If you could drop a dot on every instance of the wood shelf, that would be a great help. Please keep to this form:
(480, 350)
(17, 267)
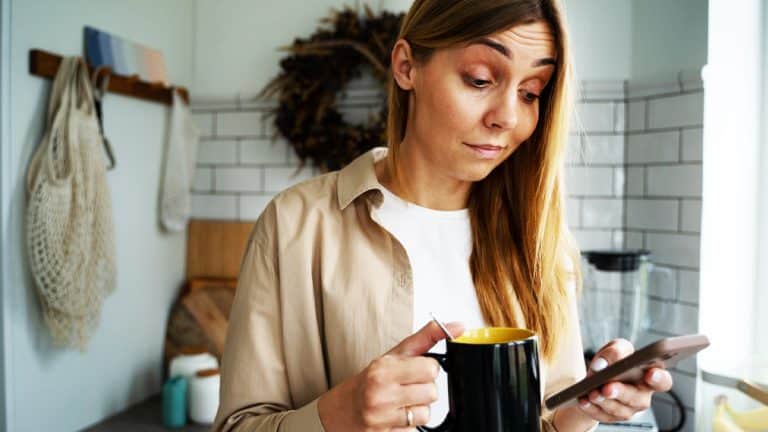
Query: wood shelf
(45, 64)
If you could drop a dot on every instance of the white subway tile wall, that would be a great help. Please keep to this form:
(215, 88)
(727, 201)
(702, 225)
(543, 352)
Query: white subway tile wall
(237, 179)
(240, 166)
(652, 214)
(636, 114)
(596, 178)
(649, 159)
(217, 152)
(653, 147)
(239, 123)
(676, 111)
(692, 144)
(203, 181)
(602, 213)
(603, 149)
(204, 122)
(633, 180)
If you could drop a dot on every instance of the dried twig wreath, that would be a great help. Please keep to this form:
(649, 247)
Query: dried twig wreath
(316, 70)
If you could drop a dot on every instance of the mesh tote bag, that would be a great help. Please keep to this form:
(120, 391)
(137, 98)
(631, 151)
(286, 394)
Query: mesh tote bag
(70, 235)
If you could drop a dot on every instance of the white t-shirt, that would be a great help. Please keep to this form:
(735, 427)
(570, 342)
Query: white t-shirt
(438, 244)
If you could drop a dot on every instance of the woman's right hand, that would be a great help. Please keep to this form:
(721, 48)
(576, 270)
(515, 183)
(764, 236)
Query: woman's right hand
(377, 398)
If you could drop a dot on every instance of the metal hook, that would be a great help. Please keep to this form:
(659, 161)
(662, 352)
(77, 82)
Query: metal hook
(100, 84)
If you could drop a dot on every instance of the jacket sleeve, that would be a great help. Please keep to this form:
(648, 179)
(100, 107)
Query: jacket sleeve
(254, 394)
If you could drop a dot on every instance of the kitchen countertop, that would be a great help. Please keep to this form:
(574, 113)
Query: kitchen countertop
(143, 417)
(147, 417)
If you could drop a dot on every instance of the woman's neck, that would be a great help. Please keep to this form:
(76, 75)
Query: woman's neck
(422, 184)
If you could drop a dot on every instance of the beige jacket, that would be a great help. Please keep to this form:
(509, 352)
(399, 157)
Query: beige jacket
(323, 290)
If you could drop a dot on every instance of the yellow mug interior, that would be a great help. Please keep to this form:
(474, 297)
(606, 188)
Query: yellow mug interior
(493, 335)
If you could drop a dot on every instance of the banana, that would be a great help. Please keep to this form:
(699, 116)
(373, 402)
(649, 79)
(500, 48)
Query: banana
(754, 420)
(721, 421)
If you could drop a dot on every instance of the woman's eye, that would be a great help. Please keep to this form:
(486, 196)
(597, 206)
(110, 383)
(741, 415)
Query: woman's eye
(529, 97)
(478, 83)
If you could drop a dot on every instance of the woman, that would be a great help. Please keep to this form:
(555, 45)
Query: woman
(462, 216)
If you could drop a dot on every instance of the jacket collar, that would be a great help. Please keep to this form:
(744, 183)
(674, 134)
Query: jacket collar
(359, 177)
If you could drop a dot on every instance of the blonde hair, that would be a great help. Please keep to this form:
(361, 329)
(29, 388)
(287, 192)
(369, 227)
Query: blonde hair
(521, 246)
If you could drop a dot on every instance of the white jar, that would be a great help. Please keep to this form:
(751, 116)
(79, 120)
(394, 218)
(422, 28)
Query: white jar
(188, 364)
(204, 396)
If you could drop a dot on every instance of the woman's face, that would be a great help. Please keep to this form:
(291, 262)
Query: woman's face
(472, 106)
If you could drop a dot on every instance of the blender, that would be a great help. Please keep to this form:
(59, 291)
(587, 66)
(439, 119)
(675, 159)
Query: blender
(614, 303)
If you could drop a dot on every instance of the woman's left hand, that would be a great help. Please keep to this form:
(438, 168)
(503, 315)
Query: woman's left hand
(617, 401)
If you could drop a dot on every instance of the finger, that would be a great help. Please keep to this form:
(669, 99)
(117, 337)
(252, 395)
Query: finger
(609, 354)
(424, 339)
(417, 394)
(612, 407)
(415, 370)
(399, 418)
(658, 379)
(595, 412)
(636, 397)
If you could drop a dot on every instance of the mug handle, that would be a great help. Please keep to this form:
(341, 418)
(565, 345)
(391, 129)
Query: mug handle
(445, 426)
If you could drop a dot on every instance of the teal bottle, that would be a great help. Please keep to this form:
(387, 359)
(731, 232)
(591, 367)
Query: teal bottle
(175, 402)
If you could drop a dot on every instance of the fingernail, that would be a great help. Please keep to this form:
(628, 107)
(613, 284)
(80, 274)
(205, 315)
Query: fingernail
(656, 376)
(586, 405)
(614, 394)
(599, 398)
(599, 364)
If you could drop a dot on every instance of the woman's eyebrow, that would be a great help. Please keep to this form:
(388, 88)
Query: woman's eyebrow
(503, 50)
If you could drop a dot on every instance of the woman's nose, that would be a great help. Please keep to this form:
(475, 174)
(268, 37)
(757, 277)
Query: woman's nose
(504, 114)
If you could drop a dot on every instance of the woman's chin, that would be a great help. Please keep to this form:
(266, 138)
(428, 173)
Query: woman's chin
(477, 173)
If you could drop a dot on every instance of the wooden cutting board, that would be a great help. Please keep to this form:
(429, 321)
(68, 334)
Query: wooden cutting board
(199, 318)
(215, 248)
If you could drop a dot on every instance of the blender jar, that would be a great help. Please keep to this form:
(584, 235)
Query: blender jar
(614, 300)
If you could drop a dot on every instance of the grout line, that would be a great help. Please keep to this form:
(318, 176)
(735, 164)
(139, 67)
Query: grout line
(245, 165)
(665, 95)
(263, 179)
(237, 207)
(680, 146)
(635, 164)
(647, 112)
(642, 131)
(645, 181)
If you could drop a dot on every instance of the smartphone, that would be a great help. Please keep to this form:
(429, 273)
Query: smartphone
(663, 353)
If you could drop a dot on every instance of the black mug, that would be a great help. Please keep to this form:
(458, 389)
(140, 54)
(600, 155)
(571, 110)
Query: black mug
(493, 381)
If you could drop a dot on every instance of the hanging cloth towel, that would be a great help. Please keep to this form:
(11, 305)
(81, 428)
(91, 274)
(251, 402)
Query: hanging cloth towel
(70, 234)
(179, 169)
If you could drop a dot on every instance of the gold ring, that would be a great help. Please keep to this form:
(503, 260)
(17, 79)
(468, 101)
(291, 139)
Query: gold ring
(408, 417)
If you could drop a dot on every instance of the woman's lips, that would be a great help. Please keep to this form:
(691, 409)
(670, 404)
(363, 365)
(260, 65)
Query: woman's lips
(485, 151)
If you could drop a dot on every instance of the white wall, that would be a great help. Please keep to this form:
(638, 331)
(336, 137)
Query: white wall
(53, 389)
(734, 141)
(237, 41)
(601, 38)
(5, 193)
(762, 282)
(668, 36)
(236, 46)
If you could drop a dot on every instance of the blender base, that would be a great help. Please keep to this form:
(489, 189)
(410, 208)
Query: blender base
(643, 421)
